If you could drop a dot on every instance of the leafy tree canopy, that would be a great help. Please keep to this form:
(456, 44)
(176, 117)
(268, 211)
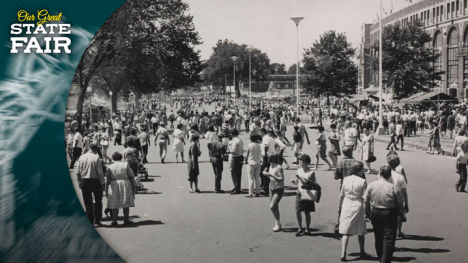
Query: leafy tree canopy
(408, 61)
(329, 67)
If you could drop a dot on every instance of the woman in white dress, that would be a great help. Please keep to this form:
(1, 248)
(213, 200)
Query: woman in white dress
(367, 148)
(351, 209)
(179, 142)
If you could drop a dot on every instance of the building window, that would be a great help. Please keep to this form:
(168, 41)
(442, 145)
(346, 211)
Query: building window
(466, 94)
(453, 92)
(452, 63)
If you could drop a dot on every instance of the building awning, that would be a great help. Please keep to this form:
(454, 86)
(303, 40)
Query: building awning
(432, 97)
(374, 97)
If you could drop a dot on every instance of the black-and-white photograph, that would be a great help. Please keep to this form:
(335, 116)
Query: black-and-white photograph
(275, 131)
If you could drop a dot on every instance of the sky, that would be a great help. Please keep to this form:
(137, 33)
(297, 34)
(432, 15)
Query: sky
(266, 24)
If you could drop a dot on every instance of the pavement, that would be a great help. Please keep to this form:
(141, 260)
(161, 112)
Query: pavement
(173, 225)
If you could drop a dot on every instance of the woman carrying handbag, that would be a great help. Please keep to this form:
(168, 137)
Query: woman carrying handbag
(305, 197)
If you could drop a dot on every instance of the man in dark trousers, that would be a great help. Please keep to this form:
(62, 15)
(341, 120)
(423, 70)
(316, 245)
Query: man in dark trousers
(91, 181)
(236, 150)
(383, 203)
(218, 150)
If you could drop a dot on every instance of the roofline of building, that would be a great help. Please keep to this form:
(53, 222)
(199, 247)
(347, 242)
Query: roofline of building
(406, 11)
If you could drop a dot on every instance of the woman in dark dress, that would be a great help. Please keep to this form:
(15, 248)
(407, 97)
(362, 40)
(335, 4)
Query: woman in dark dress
(193, 169)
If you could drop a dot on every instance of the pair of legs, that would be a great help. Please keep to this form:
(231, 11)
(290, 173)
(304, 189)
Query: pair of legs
(181, 155)
(324, 158)
(307, 220)
(144, 149)
(254, 179)
(162, 149)
(333, 158)
(384, 222)
(217, 163)
(461, 184)
(399, 138)
(115, 215)
(236, 174)
(104, 152)
(90, 188)
(194, 182)
(344, 245)
(275, 198)
(368, 166)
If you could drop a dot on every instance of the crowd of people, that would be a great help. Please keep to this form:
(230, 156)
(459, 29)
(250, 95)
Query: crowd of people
(384, 202)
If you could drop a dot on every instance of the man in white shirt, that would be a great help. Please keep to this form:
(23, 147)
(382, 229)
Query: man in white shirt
(77, 147)
(155, 122)
(350, 136)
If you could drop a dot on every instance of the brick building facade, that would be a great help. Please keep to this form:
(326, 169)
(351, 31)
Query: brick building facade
(447, 22)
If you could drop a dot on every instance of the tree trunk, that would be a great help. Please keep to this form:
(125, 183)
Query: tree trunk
(79, 107)
(137, 100)
(114, 101)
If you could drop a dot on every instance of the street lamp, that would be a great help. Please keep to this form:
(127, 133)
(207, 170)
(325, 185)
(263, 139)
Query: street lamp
(110, 94)
(380, 129)
(250, 49)
(296, 20)
(234, 58)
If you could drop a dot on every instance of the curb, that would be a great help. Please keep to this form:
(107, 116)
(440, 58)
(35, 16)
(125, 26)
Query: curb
(412, 145)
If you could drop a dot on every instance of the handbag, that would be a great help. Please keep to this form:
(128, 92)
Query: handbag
(308, 195)
(309, 192)
(372, 159)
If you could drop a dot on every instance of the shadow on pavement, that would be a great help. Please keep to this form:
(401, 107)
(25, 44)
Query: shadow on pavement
(422, 238)
(147, 180)
(148, 192)
(120, 218)
(136, 224)
(154, 175)
(356, 257)
(402, 259)
(423, 250)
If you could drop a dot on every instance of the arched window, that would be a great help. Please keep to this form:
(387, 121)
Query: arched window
(465, 62)
(452, 63)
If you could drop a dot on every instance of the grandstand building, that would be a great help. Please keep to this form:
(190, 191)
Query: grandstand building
(447, 22)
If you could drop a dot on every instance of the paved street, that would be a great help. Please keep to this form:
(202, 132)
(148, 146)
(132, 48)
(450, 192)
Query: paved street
(173, 225)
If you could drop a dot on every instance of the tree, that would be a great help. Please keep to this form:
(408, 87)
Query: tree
(292, 69)
(407, 60)
(329, 67)
(276, 68)
(159, 29)
(219, 67)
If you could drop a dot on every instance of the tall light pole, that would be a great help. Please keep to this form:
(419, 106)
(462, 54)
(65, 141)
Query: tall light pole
(110, 95)
(380, 129)
(234, 58)
(296, 20)
(250, 49)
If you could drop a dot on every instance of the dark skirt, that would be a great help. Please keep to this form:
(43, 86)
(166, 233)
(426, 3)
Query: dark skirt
(304, 206)
(193, 170)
